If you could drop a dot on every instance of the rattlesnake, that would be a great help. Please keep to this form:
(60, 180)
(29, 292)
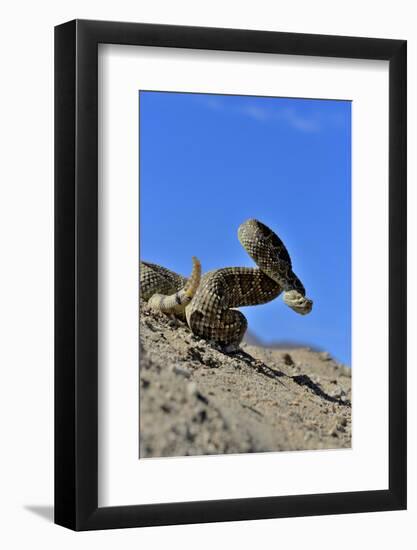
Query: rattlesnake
(206, 302)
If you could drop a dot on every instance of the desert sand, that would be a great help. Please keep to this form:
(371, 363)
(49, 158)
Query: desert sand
(197, 400)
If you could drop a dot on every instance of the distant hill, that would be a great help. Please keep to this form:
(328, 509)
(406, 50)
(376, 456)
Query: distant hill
(251, 339)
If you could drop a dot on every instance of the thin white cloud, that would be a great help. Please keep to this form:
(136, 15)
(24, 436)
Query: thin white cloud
(287, 115)
(300, 122)
(255, 112)
(263, 114)
(214, 103)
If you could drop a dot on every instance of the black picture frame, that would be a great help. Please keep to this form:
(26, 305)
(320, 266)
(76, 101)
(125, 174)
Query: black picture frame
(76, 272)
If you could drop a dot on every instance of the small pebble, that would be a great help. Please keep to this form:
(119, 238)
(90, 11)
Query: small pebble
(181, 371)
(288, 360)
(192, 388)
(342, 420)
(333, 431)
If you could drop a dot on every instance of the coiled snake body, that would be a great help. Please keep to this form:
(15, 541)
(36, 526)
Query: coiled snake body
(207, 302)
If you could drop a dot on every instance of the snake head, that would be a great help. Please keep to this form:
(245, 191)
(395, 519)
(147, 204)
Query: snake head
(270, 254)
(299, 303)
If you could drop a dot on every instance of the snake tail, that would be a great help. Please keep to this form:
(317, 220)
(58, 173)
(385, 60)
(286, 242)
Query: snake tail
(176, 303)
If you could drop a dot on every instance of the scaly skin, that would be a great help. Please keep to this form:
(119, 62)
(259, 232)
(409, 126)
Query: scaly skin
(208, 303)
(177, 302)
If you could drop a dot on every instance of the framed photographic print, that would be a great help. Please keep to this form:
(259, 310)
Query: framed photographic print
(230, 337)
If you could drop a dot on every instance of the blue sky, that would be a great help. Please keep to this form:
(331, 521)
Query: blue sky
(210, 162)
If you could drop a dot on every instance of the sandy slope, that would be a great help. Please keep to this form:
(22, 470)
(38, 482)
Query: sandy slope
(195, 399)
